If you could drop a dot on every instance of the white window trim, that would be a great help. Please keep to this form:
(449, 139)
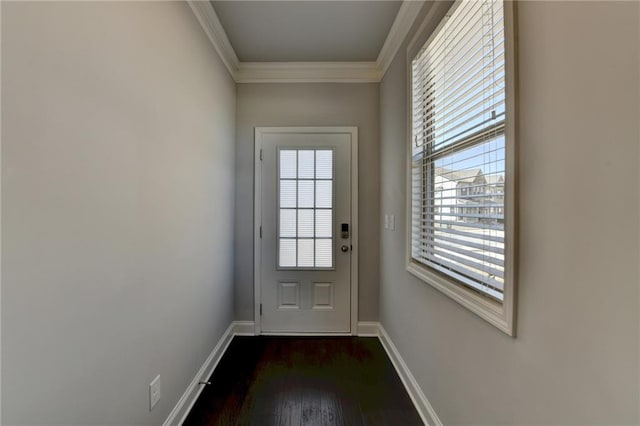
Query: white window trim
(501, 315)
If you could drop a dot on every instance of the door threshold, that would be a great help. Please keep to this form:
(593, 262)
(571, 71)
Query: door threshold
(307, 333)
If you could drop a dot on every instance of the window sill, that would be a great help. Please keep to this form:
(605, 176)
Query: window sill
(491, 311)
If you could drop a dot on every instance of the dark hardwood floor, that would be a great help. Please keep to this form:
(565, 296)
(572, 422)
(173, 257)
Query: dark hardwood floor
(304, 381)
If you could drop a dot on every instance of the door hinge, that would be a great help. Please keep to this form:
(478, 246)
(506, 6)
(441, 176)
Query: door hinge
(260, 231)
(260, 154)
(261, 309)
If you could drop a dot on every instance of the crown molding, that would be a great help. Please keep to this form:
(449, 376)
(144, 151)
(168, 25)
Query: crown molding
(213, 28)
(405, 18)
(306, 72)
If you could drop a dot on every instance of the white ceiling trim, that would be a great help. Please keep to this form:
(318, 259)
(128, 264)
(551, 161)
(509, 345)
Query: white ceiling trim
(213, 28)
(401, 25)
(306, 72)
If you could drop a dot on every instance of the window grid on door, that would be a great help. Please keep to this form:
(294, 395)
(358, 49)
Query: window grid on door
(305, 209)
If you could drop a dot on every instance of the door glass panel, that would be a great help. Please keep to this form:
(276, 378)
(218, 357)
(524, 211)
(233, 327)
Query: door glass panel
(305, 164)
(324, 194)
(288, 164)
(305, 219)
(288, 223)
(305, 223)
(323, 223)
(324, 164)
(287, 253)
(305, 253)
(288, 194)
(323, 253)
(305, 194)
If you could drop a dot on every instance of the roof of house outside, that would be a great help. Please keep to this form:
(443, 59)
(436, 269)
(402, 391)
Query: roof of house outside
(465, 175)
(494, 179)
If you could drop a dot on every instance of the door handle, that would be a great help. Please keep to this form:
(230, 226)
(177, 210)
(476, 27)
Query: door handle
(344, 248)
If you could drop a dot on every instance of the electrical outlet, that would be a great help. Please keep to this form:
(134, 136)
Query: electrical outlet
(154, 392)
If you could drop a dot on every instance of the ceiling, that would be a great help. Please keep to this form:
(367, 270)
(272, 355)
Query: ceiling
(306, 31)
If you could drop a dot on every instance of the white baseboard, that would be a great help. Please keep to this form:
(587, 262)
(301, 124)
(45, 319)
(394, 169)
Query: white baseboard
(368, 329)
(244, 328)
(429, 416)
(190, 396)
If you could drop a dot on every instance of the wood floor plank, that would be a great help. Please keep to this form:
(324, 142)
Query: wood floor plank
(310, 381)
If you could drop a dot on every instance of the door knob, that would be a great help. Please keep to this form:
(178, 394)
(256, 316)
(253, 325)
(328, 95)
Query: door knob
(344, 248)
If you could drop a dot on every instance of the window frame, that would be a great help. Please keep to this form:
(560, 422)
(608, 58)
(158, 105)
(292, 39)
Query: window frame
(501, 315)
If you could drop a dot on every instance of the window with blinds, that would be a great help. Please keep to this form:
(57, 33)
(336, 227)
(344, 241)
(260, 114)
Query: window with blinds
(458, 148)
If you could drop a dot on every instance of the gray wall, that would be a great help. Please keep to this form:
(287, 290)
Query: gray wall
(309, 105)
(117, 209)
(575, 360)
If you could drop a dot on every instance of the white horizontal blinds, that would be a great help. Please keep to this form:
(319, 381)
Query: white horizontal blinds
(458, 151)
(305, 208)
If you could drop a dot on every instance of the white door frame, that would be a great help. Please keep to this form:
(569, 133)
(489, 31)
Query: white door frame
(257, 219)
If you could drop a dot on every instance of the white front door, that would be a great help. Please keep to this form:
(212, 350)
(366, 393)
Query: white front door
(305, 243)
